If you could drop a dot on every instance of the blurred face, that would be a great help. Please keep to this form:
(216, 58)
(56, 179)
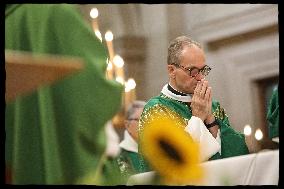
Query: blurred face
(132, 123)
(180, 79)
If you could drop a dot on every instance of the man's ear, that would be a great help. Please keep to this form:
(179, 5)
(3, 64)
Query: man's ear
(171, 71)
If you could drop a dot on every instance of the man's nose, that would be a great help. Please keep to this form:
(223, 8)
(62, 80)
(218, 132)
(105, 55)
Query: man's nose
(199, 76)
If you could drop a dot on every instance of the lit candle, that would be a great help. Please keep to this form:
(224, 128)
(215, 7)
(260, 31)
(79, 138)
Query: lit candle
(132, 85)
(127, 96)
(109, 38)
(258, 134)
(118, 62)
(247, 130)
(120, 80)
(94, 13)
(130, 95)
(133, 94)
(99, 35)
(109, 70)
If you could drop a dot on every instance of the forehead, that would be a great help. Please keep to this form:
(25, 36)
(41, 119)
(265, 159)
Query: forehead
(193, 57)
(137, 112)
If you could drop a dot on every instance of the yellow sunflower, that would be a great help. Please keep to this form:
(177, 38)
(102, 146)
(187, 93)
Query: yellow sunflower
(170, 150)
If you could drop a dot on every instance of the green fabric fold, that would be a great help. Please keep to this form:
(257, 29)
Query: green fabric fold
(273, 115)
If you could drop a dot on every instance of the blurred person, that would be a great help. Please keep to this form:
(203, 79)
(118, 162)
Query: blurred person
(188, 96)
(128, 158)
(56, 134)
(118, 167)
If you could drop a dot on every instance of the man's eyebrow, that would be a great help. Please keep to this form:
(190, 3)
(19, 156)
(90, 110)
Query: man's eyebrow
(191, 67)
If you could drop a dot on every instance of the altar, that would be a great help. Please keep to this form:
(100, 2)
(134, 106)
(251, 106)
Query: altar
(260, 168)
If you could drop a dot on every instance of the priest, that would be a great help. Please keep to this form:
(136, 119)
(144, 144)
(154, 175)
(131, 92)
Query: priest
(188, 96)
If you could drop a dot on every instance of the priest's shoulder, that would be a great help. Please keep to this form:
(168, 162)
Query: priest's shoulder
(153, 101)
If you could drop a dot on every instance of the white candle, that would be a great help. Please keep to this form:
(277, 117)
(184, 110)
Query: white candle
(109, 38)
(133, 94)
(126, 99)
(132, 85)
(118, 62)
(109, 70)
(99, 35)
(94, 13)
(120, 80)
(130, 94)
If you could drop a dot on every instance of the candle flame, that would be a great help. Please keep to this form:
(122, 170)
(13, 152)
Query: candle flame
(247, 130)
(118, 61)
(131, 84)
(258, 134)
(109, 36)
(127, 89)
(94, 13)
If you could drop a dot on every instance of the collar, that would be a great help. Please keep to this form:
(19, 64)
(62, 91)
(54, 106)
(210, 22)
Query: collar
(170, 88)
(177, 95)
(129, 143)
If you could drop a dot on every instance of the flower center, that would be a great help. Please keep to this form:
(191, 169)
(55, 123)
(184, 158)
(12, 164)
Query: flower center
(170, 151)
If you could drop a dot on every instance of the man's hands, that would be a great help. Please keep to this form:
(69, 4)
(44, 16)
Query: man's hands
(201, 103)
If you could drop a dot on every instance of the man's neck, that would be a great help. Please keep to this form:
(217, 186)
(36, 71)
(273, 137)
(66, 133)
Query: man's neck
(174, 95)
(175, 91)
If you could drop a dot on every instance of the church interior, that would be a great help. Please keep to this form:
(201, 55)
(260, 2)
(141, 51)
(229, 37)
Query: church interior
(241, 43)
(241, 46)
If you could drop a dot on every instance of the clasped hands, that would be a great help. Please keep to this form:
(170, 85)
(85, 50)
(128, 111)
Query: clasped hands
(201, 103)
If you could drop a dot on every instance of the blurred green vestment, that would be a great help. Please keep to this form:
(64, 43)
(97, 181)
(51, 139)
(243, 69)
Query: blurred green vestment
(56, 134)
(273, 115)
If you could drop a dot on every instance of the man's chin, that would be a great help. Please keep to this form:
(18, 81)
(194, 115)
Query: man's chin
(189, 92)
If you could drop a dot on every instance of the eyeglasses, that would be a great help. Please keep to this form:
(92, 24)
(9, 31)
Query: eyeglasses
(193, 72)
(133, 119)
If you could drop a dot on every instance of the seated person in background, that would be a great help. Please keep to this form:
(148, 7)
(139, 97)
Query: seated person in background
(128, 160)
(188, 96)
(273, 116)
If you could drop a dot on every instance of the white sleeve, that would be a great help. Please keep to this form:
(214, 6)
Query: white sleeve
(218, 138)
(200, 134)
(112, 140)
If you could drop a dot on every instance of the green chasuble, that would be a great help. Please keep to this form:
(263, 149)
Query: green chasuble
(232, 142)
(128, 162)
(56, 134)
(273, 115)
